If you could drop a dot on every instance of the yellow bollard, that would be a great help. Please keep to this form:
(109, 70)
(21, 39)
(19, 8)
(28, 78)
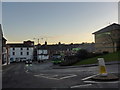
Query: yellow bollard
(102, 68)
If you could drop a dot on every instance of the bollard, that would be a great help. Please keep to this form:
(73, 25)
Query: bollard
(102, 68)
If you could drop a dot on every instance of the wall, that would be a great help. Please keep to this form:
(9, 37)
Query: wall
(107, 42)
(42, 52)
(42, 57)
(0, 45)
(18, 53)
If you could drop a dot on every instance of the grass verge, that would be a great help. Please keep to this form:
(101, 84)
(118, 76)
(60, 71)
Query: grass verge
(108, 57)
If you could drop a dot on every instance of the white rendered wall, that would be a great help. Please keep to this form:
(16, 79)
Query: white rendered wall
(18, 53)
(42, 57)
(42, 52)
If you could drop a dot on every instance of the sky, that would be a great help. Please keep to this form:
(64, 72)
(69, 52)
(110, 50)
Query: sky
(65, 22)
(60, 0)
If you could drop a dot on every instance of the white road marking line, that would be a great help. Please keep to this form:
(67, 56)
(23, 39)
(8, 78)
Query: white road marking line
(36, 75)
(89, 77)
(50, 77)
(68, 76)
(45, 77)
(101, 82)
(54, 76)
(26, 71)
(41, 75)
(81, 85)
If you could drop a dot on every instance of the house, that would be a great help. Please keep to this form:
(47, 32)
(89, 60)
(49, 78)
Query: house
(42, 53)
(65, 49)
(108, 39)
(56, 49)
(5, 55)
(1, 35)
(20, 51)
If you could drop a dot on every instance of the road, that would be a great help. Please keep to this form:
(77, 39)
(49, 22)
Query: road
(43, 75)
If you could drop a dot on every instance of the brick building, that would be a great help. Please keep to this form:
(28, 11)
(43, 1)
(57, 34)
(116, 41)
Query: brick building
(108, 39)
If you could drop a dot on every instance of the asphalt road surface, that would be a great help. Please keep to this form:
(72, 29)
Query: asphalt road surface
(42, 75)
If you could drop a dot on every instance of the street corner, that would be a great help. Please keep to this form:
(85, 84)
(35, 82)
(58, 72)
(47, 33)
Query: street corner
(108, 77)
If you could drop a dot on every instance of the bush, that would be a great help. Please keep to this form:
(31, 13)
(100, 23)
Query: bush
(105, 52)
(82, 54)
(69, 60)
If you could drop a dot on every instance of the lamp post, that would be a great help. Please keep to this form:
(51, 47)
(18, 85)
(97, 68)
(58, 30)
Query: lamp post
(37, 39)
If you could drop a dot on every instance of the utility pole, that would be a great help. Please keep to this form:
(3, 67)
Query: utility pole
(37, 40)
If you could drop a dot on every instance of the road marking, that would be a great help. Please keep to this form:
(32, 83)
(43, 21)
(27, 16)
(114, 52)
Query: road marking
(68, 76)
(50, 77)
(101, 82)
(41, 75)
(56, 77)
(81, 85)
(89, 77)
(26, 71)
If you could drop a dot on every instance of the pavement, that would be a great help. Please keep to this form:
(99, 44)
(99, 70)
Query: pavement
(86, 65)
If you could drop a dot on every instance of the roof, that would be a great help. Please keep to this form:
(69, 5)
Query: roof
(111, 27)
(18, 45)
(4, 39)
(63, 46)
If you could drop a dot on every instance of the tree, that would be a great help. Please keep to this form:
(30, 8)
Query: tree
(82, 54)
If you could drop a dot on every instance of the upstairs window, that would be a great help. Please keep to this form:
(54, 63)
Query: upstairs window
(21, 53)
(27, 53)
(27, 48)
(13, 53)
(21, 48)
(13, 48)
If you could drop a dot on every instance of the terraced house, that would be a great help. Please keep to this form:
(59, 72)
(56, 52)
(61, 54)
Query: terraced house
(108, 39)
(21, 51)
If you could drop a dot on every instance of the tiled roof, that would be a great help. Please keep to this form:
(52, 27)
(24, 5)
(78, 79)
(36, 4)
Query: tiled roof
(18, 45)
(4, 39)
(113, 26)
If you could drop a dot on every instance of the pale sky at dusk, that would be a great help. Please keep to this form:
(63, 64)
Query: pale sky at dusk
(65, 22)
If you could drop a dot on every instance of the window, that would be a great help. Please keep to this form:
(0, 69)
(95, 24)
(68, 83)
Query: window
(13, 48)
(21, 48)
(13, 53)
(27, 53)
(21, 53)
(27, 48)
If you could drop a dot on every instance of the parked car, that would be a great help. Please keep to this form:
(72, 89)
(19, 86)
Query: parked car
(56, 59)
(17, 60)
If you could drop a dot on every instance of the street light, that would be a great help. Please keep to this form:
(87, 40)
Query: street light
(37, 39)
